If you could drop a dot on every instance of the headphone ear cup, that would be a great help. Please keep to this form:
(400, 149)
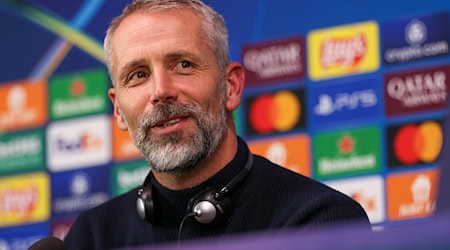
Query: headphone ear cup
(145, 204)
(208, 209)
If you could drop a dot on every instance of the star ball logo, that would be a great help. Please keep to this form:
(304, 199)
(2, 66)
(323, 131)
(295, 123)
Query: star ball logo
(277, 112)
(414, 143)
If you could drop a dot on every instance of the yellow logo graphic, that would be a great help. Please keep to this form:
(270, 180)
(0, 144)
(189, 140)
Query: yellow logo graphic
(343, 50)
(24, 199)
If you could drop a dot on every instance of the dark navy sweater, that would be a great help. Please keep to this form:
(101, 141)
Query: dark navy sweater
(269, 198)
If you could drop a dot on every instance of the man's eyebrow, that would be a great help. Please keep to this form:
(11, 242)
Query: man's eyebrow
(123, 71)
(183, 54)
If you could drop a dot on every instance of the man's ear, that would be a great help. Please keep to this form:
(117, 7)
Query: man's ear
(117, 112)
(234, 78)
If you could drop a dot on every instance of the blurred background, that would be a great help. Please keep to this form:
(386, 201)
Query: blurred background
(351, 93)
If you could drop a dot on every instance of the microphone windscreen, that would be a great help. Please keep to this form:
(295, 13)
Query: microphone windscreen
(48, 243)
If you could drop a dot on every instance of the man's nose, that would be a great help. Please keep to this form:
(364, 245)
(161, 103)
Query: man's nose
(164, 88)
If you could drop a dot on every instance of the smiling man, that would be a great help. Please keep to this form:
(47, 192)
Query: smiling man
(174, 90)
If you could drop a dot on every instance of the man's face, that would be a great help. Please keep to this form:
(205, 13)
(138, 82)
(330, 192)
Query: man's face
(169, 92)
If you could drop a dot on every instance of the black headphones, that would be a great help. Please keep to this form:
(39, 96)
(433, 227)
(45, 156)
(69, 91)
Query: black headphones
(209, 207)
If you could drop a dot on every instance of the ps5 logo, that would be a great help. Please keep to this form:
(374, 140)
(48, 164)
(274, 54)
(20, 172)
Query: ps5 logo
(345, 101)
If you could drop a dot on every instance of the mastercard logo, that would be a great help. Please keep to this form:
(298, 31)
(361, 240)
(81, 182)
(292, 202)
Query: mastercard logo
(275, 112)
(414, 143)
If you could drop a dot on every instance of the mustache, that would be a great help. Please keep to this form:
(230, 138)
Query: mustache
(163, 112)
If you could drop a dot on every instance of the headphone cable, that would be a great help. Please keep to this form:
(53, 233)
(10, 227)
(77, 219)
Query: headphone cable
(191, 214)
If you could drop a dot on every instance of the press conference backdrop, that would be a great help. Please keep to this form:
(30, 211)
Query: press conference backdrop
(351, 93)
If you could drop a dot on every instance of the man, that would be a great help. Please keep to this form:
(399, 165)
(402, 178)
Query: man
(174, 90)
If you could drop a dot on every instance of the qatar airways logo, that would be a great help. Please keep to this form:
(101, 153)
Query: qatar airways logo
(274, 61)
(344, 52)
(79, 143)
(417, 91)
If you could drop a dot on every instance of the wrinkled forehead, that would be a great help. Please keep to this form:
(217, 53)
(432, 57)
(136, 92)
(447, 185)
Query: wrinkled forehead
(158, 34)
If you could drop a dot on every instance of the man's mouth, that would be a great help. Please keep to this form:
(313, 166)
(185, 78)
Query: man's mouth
(168, 122)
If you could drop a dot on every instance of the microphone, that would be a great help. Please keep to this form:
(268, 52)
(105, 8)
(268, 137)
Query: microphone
(48, 243)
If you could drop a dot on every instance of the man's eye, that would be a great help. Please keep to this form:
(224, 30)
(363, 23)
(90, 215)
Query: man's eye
(185, 64)
(139, 74)
(137, 78)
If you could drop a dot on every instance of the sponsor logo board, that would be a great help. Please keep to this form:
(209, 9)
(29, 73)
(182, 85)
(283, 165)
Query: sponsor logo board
(416, 38)
(81, 93)
(22, 237)
(79, 143)
(416, 91)
(367, 191)
(278, 112)
(24, 199)
(23, 105)
(22, 151)
(347, 152)
(128, 175)
(291, 152)
(411, 195)
(414, 143)
(123, 146)
(79, 190)
(352, 101)
(274, 61)
(343, 50)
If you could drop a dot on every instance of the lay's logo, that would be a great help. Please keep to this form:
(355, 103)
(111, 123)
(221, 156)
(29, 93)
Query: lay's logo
(24, 199)
(19, 201)
(343, 50)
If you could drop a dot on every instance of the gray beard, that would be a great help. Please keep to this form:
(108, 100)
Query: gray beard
(183, 150)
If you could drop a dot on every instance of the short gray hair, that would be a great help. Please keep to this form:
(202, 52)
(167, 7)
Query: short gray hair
(213, 26)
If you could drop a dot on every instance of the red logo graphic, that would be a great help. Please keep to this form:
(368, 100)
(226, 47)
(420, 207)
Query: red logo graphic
(346, 52)
(346, 144)
(77, 87)
(278, 112)
(415, 143)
